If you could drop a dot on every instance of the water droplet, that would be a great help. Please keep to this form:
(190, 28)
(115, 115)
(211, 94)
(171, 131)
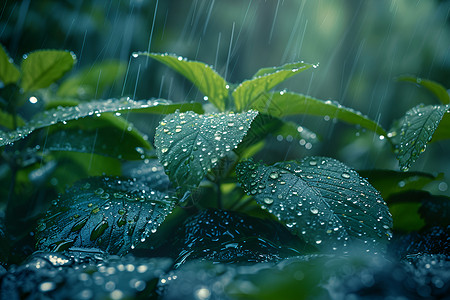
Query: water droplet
(79, 224)
(314, 210)
(164, 150)
(99, 230)
(345, 175)
(202, 293)
(47, 286)
(268, 200)
(274, 175)
(99, 191)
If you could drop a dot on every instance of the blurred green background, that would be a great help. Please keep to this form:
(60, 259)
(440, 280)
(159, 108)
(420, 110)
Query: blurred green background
(361, 47)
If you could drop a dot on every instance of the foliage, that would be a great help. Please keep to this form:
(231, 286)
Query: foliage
(197, 175)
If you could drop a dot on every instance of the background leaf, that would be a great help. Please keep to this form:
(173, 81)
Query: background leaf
(7, 120)
(90, 82)
(435, 88)
(321, 200)
(416, 130)
(107, 135)
(281, 104)
(263, 81)
(211, 84)
(389, 182)
(188, 145)
(64, 114)
(107, 213)
(9, 73)
(42, 68)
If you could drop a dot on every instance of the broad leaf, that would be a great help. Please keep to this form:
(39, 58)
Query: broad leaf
(149, 173)
(9, 73)
(416, 130)
(263, 81)
(321, 200)
(64, 114)
(188, 145)
(42, 68)
(91, 82)
(281, 104)
(211, 84)
(290, 130)
(107, 213)
(226, 236)
(263, 125)
(107, 141)
(7, 120)
(84, 274)
(443, 130)
(167, 108)
(437, 89)
(389, 182)
(108, 135)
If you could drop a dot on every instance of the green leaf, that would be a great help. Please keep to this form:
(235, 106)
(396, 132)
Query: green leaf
(263, 81)
(290, 130)
(9, 73)
(42, 68)
(7, 120)
(389, 182)
(263, 125)
(435, 88)
(232, 237)
(443, 130)
(107, 213)
(64, 114)
(188, 145)
(92, 81)
(321, 200)
(416, 130)
(108, 141)
(148, 172)
(281, 104)
(211, 84)
(108, 135)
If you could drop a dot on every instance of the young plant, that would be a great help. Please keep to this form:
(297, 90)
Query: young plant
(199, 174)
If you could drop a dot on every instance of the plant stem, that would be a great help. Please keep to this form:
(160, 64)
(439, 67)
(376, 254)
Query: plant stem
(219, 194)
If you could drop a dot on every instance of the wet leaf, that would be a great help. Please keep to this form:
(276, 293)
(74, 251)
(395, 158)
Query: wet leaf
(435, 88)
(321, 200)
(64, 114)
(90, 82)
(107, 213)
(107, 141)
(281, 104)
(263, 81)
(226, 236)
(416, 130)
(188, 145)
(85, 274)
(211, 84)
(42, 68)
(108, 135)
(9, 73)
(148, 172)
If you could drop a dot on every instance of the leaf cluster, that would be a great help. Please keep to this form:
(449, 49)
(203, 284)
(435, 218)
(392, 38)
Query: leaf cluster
(194, 188)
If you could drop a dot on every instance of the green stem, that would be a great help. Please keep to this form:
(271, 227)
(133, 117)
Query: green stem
(219, 195)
